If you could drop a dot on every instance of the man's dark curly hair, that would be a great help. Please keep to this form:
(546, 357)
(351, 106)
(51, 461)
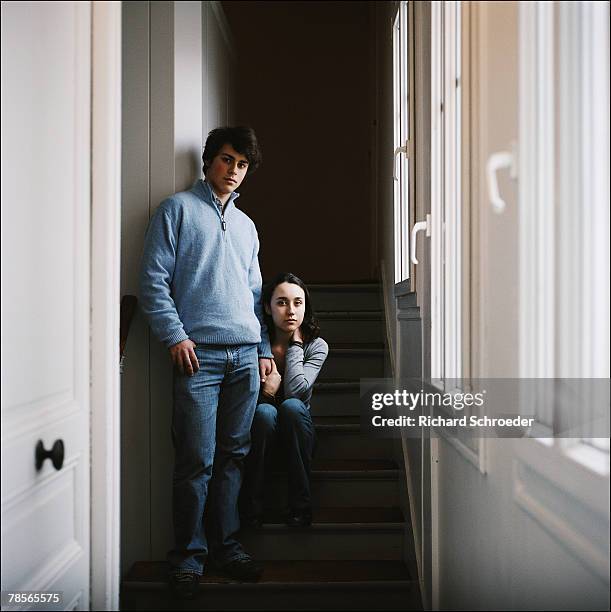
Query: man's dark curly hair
(309, 327)
(242, 139)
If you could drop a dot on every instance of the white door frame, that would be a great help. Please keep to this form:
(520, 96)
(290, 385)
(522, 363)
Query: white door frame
(105, 304)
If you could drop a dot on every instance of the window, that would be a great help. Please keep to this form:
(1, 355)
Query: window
(402, 136)
(446, 216)
(563, 213)
(564, 207)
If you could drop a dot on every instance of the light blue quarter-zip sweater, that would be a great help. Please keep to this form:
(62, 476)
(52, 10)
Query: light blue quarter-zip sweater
(200, 276)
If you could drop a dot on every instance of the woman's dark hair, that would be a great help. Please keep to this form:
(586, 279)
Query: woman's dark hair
(309, 327)
(242, 139)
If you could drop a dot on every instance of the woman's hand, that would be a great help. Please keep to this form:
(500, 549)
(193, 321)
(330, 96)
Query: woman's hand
(297, 337)
(265, 367)
(272, 381)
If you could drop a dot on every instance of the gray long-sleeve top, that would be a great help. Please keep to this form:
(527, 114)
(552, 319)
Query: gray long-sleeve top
(301, 368)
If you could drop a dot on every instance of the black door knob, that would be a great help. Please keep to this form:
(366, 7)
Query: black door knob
(56, 454)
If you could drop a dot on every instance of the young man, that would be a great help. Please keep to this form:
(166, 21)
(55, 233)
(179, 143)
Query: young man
(200, 289)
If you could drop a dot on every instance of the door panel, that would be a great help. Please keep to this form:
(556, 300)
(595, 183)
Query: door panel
(46, 66)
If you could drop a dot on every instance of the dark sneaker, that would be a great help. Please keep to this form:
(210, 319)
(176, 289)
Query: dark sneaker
(244, 568)
(299, 518)
(184, 585)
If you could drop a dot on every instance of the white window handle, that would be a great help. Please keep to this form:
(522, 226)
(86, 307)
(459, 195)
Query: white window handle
(403, 149)
(421, 225)
(496, 162)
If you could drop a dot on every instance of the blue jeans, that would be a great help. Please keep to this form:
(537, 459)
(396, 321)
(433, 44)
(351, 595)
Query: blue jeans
(213, 412)
(290, 426)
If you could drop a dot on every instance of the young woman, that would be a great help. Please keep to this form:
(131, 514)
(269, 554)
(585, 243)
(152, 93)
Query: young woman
(283, 411)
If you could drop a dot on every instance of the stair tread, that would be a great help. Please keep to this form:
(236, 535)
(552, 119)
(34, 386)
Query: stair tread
(356, 347)
(324, 469)
(337, 383)
(362, 285)
(352, 465)
(349, 314)
(288, 572)
(339, 422)
(346, 516)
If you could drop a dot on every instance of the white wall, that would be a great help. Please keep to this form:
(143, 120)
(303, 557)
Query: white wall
(188, 89)
(176, 87)
(218, 65)
(494, 554)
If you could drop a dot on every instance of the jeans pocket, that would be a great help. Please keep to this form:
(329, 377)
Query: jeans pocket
(199, 353)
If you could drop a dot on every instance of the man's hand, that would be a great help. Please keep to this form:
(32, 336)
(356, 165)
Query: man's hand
(265, 367)
(184, 358)
(272, 381)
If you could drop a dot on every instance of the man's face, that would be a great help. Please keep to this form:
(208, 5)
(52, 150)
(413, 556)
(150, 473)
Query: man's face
(227, 170)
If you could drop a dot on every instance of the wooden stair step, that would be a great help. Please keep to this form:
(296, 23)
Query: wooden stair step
(343, 516)
(287, 572)
(284, 585)
(337, 385)
(339, 423)
(358, 467)
(350, 315)
(353, 285)
(353, 348)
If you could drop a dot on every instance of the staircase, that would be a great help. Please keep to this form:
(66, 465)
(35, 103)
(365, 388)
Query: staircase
(353, 555)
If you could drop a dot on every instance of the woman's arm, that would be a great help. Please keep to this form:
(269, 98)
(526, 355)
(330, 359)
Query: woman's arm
(299, 372)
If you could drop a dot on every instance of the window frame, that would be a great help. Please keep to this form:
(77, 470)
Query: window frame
(446, 193)
(403, 137)
(448, 303)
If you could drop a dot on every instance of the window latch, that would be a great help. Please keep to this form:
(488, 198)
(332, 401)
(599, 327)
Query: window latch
(404, 149)
(496, 162)
(418, 227)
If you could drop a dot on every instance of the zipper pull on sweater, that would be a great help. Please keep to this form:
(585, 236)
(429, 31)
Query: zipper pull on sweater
(220, 206)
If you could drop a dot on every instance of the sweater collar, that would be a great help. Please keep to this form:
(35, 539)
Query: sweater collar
(207, 193)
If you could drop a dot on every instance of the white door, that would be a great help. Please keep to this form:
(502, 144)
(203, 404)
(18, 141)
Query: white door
(46, 70)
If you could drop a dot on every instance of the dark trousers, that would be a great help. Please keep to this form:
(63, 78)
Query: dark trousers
(288, 429)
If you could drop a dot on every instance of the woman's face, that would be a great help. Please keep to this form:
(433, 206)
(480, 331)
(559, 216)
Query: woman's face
(287, 307)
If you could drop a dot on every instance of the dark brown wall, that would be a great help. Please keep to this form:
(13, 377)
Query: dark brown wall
(304, 82)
